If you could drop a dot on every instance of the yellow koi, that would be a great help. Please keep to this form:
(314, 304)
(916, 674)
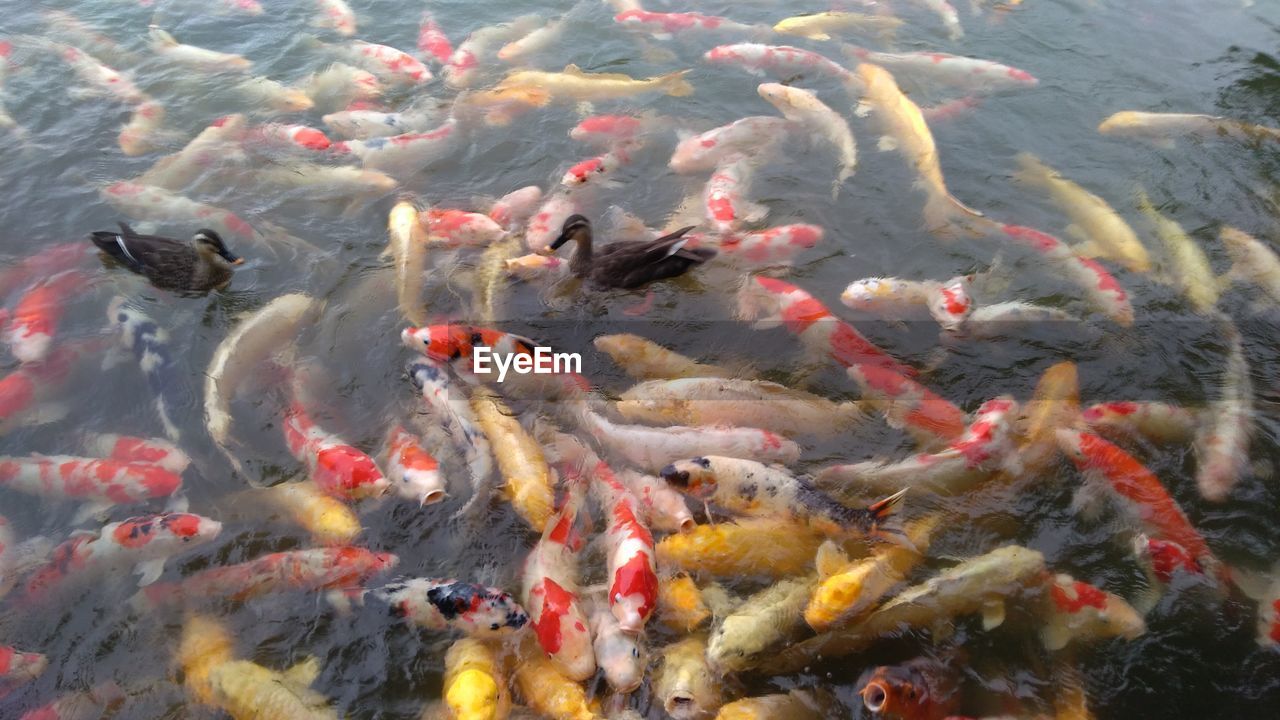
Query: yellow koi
(474, 688)
(527, 479)
(574, 84)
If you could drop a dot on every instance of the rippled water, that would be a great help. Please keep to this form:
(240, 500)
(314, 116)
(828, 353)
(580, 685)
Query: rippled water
(1092, 58)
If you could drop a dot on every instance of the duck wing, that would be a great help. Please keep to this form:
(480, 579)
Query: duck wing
(142, 252)
(636, 264)
(654, 251)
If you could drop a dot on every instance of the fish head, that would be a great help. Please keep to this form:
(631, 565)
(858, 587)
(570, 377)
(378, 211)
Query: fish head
(777, 94)
(1125, 122)
(903, 691)
(441, 343)
(693, 477)
(350, 471)
(1071, 442)
(191, 528)
(621, 659)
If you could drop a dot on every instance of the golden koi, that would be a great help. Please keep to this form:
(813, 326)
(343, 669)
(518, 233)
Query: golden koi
(544, 689)
(474, 687)
(644, 359)
(408, 247)
(574, 84)
(685, 683)
(820, 26)
(528, 481)
(1192, 273)
(795, 705)
(1162, 128)
(762, 546)
(761, 625)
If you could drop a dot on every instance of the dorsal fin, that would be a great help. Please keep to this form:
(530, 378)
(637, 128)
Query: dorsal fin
(572, 69)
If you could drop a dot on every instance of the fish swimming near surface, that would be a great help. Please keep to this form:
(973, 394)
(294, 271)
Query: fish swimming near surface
(476, 610)
(150, 346)
(1163, 129)
(575, 84)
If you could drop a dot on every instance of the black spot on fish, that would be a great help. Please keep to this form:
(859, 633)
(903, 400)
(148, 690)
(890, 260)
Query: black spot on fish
(750, 490)
(702, 462)
(453, 599)
(516, 619)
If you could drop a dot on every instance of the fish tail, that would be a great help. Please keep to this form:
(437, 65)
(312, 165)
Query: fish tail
(880, 510)
(943, 214)
(676, 85)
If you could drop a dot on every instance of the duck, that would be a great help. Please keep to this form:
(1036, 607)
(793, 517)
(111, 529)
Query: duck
(628, 264)
(199, 266)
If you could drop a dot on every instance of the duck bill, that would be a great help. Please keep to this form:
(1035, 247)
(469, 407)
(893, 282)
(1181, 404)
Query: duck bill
(233, 259)
(564, 238)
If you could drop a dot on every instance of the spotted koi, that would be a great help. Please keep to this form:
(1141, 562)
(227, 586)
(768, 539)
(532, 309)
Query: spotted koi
(434, 604)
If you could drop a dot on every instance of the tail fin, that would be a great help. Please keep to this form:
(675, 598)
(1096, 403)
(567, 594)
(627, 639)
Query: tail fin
(943, 214)
(675, 84)
(879, 512)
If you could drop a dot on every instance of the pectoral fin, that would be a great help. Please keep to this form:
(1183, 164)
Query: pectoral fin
(301, 676)
(149, 571)
(992, 614)
(830, 559)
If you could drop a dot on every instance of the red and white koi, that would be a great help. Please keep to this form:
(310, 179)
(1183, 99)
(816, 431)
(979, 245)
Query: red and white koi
(459, 228)
(546, 223)
(662, 507)
(965, 74)
(337, 15)
(451, 410)
(344, 569)
(803, 108)
(618, 653)
(432, 41)
(724, 197)
(765, 248)
(19, 667)
(1164, 558)
(152, 204)
(1158, 513)
(166, 46)
(780, 61)
(414, 473)
(34, 321)
(908, 405)
(290, 136)
(139, 136)
(387, 63)
(335, 466)
(769, 302)
(67, 28)
(248, 7)
(985, 447)
(53, 260)
(551, 595)
(100, 701)
(407, 153)
(594, 170)
(463, 66)
(514, 209)
(997, 319)
(103, 79)
(662, 25)
(476, 610)
(608, 130)
(129, 449)
(97, 481)
(1158, 422)
(703, 152)
(1222, 441)
(1077, 610)
(1100, 287)
(533, 42)
(143, 542)
(29, 394)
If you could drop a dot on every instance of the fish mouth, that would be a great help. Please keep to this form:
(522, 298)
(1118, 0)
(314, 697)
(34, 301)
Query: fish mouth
(681, 705)
(432, 497)
(875, 696)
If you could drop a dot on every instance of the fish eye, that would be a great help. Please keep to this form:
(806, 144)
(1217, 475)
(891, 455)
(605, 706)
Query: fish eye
(635, 652)
(493, 626)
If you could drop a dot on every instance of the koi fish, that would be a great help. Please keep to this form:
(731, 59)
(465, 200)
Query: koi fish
(606, 131)
(618, 653)
(474, 687)
(267, 94)
(1158, 422)
(775, 246)
(921, 689)
(663, 25)
(413, 472)
(1096, 224)
(101, 483)
(546, 224)
(660, 506)
(545, 689)
(1158, 512)
(685, 683)
(997, 319)
(780, 61)
(148, 203)
(907, 131)
(459, 228)
(1055, 403)
(1191, 270)
(1079, 611)
(216, 144)
(533, 42)
(140, 135)
(703, 152)
(463, 66)
(949, 303)
(805, 109)
(766, 547)
(499, 105)
(101, 78)
(725, 199)
(1100, 287)
(1222, 439)
(908, 405)
(476, 610)
(164, 45)
(149, 344)
(387, 63)
(290, 136)
(328, 520)
(449, 407)
(797, 704)
(550, 591)
(333, 465)
(965, 74)
(681, 607)
(592, 170)
(29, 396)
(1252, 262)
(51, 261)
(432, 41)
(574, 84)
(68, 28)
(34, 321)
(336, 15)
(769, 302)
(407, 246)
(127, 448)
(18, 667)
(528, 481)
(254, 338)
(513, 210)
(763, 622)
(644, 359)
(985, 447)
(142, 542)
(403, 154)
(947, 13)
(819, 26)
(337, 87)
(359, 124)
(336, 568)
(1162, 128)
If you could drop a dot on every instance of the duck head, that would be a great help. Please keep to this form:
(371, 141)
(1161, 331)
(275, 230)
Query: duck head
(576, 228)
(209, 243)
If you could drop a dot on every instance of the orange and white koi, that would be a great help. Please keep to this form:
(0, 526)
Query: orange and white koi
(513, 210)
(451, 410)
(459, 228)
(724, 197)
(908, 405)
(550, 592)
(1222, 440)
(781, 61)
(703, 152)
(463, 66)
(1076, 610)
(407, 153)
(1157, 511)
(29, 394)
(546, 224)
(97, 481)
(1101, 289)
(51, 261)
(141, 134)
(803, 108)
(166, 46)
(337, 15)
(342, 569)
(387, 63)
(414, 473)
(289, 136)
(217, 144)
(1164, 558)
(336, 88)
(335, 466)
(608, 130)
(777, 246)
(127, 448)
(432, 41)
(142, 542)
(18, 667)
(769, 302)
(653, 448)
(593, 170)
(103, 79)
(664, 25)
(1159, 422)
(476, 610)
(152, 204)
(965, 74)
(986, 447)
(34, 321)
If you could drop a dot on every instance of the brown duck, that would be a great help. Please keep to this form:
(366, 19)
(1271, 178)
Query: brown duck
(199, 266)
(629, 264)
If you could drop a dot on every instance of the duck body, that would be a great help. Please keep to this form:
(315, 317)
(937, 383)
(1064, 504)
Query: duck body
(199, 266)
(629, 264)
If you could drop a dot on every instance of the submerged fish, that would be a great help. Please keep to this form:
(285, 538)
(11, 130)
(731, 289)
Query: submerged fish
(761, 625)
(1163, 128)
(335, 466)
(407, 244)
(164, 45)
(149, 344)
(908, 405)
(1190, 266)
(1222, 437)
(101, 483)
(805, 109)
(34, 321)
(527, 480)
(644, 359)
(820, 25)
(414, 473)
(963, 74)
(17, 667)
(574, 84)
(1079, 611)
(1252, 262)
(1101, 288)
(1155, 421)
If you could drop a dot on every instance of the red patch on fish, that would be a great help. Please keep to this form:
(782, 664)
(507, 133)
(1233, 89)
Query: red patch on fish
(1080, 596)
(556, 604)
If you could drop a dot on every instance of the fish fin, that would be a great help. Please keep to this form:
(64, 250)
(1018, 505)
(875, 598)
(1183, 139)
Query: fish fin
(881, 509)
(676, 85)
(886, 143)
(91, 511)
(113, 358)
(1054, 635)
(149, 571)
(178, 502)
(303, 674)
(160, 38)
(862, 109)
(584, 108)
(830, 560)
(992, 614)
(944, 213)
(573, 69)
